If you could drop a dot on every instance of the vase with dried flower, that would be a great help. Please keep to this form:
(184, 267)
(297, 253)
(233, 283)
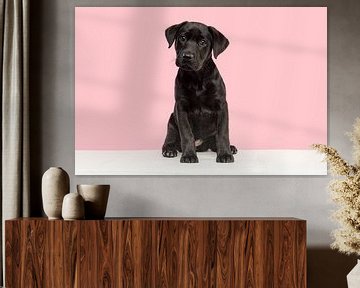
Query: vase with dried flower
(345, 192)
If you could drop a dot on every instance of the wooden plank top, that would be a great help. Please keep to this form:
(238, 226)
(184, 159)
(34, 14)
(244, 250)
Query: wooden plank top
(172, 219)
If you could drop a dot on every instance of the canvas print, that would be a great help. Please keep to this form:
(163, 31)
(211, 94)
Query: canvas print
(200, 90)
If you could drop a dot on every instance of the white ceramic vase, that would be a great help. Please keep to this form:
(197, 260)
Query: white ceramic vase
(96, 198)
(353, 278)
(73, 207)
(54, 186)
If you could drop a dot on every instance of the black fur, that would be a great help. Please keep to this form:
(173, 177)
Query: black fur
(200, 119)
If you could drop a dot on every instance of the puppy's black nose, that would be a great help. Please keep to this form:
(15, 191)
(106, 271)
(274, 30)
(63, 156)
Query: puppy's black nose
(187, 55)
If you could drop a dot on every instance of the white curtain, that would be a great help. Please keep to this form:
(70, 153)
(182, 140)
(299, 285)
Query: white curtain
(14, 39)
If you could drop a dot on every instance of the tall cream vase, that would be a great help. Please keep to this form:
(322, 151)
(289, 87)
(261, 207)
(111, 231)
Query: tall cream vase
(55, 185)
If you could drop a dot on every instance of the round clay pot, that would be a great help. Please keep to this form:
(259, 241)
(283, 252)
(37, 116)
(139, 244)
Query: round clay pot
(73, 207)
(95, 197)
(55, 185)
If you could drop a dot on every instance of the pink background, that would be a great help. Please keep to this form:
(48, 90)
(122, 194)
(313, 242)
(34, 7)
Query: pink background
(275, 70)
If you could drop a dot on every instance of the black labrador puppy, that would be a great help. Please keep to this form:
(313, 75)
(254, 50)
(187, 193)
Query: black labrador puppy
(200, 118)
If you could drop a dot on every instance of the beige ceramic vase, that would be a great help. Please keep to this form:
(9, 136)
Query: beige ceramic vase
(353, 278)
(73, 207)
(96, 198)
(55, 185)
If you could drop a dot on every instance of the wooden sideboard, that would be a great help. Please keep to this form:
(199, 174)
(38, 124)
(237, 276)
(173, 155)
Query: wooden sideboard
(156, 252)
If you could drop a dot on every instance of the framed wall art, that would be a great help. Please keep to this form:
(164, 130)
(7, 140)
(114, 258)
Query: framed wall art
(133, 118)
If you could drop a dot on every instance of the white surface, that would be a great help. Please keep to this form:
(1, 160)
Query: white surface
(247, 162)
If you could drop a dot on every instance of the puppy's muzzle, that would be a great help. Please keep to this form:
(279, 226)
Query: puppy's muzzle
(187, 56)
(186, 61)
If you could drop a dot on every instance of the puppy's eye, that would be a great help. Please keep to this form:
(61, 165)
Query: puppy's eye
(202, 43)
(182, 38)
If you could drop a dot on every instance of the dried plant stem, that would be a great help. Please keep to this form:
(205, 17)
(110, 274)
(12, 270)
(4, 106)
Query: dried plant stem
(355, 138)
(345, 192)
(337, 164)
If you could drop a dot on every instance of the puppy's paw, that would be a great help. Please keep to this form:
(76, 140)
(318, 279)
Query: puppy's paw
(189, 159)
(169, 152)
(225, 158)
(233, 149)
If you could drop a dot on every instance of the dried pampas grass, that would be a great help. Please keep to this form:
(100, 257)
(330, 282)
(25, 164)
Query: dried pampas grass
(345, 192)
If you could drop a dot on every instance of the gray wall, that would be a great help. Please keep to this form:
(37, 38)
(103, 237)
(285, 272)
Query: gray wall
(52, 136)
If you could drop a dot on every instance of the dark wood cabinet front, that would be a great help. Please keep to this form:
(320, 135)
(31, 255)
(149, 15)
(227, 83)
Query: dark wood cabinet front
(161, 252)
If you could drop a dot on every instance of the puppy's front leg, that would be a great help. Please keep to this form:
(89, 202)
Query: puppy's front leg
(186, 135)
(224, 154)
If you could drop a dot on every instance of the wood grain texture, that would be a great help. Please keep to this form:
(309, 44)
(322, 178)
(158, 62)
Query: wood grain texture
(55, 268)
(174, 253)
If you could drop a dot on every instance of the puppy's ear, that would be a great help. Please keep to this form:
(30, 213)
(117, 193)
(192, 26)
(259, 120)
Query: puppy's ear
(220, 42)
(170, 33)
